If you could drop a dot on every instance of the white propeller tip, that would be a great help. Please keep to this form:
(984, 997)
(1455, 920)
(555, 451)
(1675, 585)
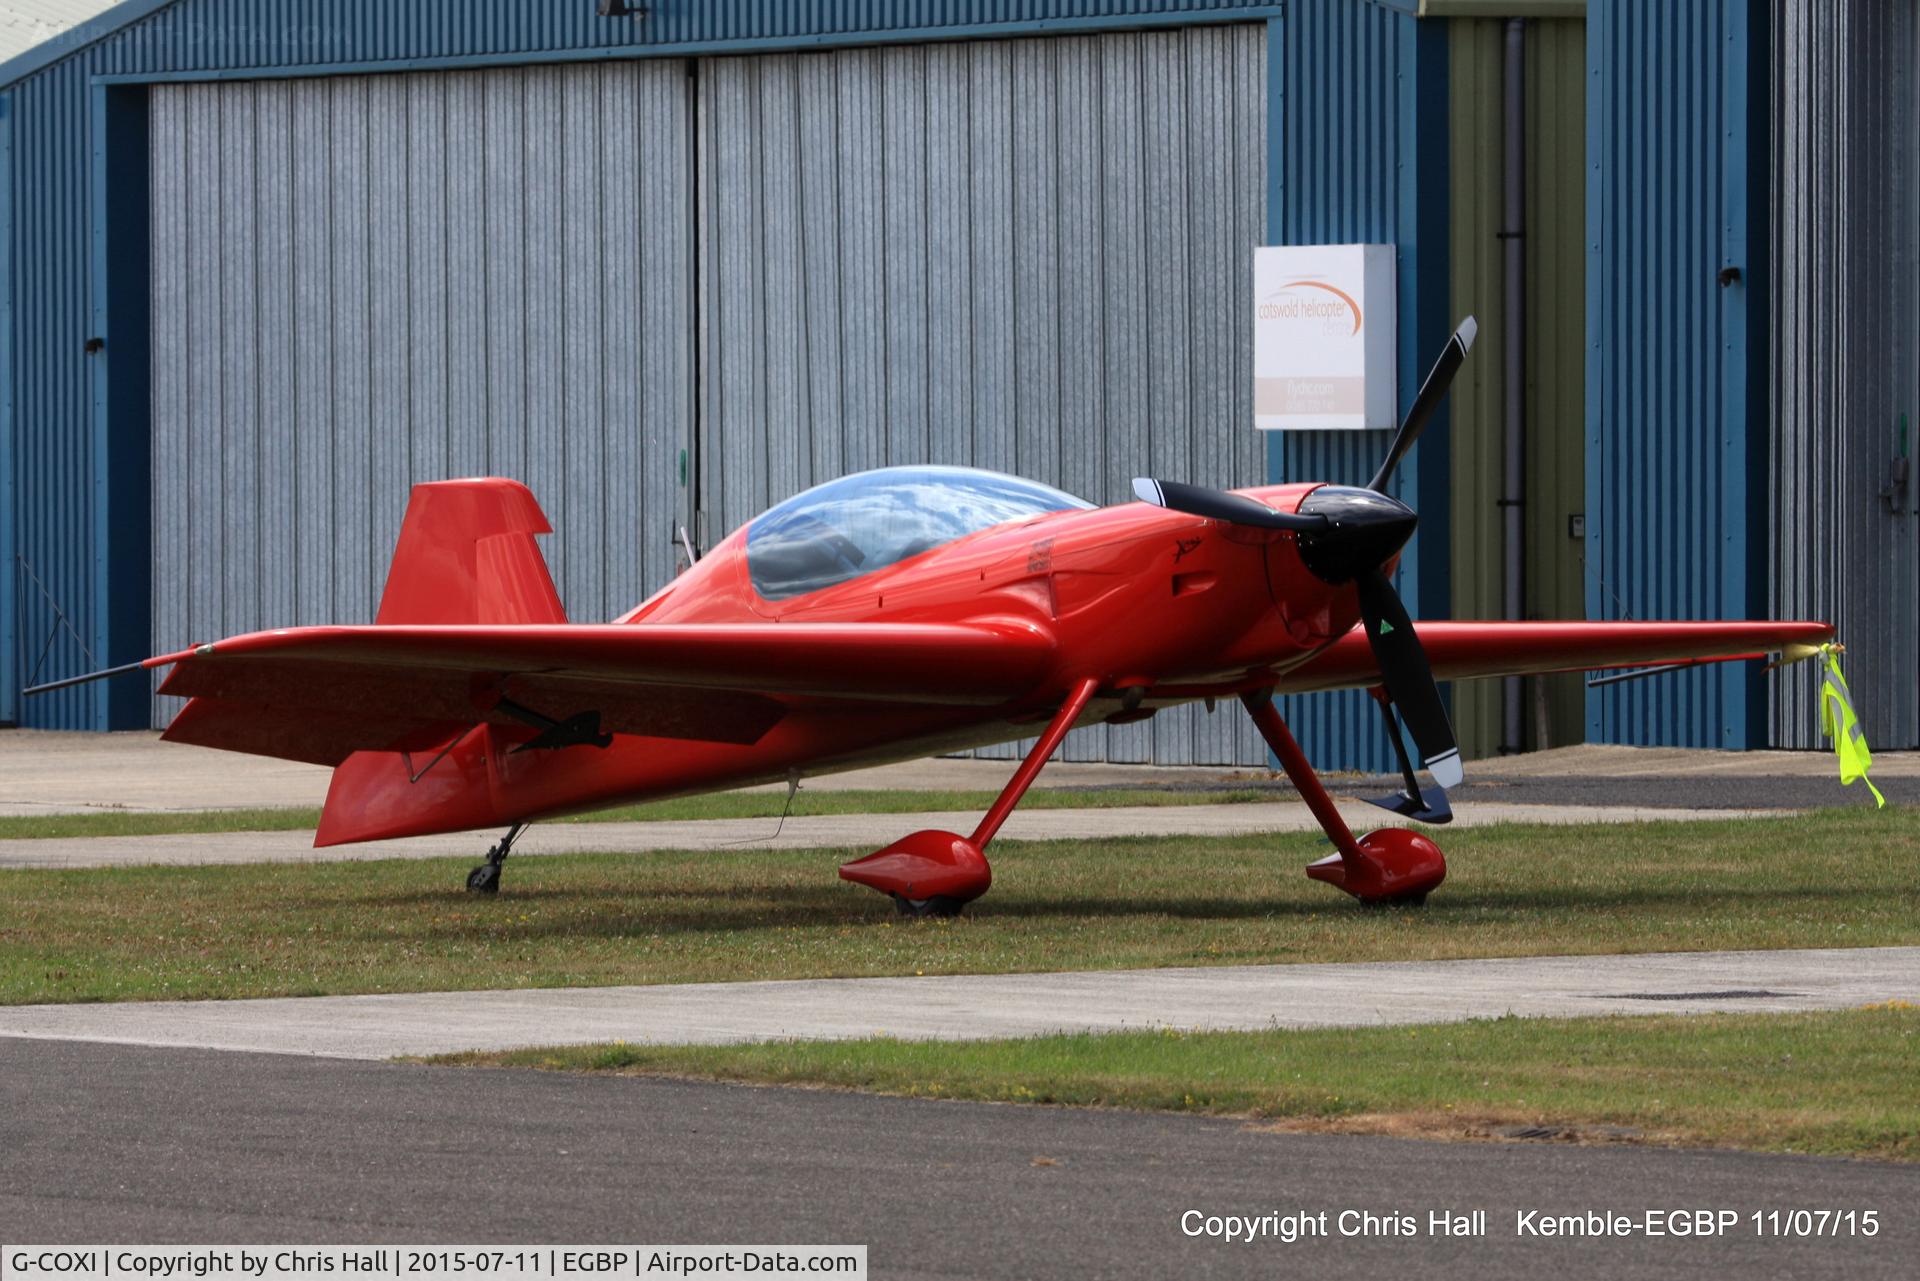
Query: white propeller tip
(1468, 331)
(1147, 490)
(1446, 769)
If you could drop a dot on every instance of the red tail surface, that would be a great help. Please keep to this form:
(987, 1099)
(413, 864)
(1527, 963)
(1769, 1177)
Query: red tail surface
(467, 555)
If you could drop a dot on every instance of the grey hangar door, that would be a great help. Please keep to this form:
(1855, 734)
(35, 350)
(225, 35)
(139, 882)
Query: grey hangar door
(363, 282)
(1845, 539)
(1025, 255)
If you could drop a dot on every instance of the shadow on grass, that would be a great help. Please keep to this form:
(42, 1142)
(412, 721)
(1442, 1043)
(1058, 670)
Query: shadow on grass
(614, 911)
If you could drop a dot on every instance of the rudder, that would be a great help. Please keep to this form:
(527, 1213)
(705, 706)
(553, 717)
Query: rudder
(467, 555)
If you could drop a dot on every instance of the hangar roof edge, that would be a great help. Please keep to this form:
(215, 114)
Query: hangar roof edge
(1054, 17)
(64, 44)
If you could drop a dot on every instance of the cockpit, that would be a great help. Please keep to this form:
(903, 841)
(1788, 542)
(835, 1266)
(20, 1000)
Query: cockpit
(868, 521)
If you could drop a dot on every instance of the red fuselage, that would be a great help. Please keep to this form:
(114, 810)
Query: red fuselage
(1159, 606)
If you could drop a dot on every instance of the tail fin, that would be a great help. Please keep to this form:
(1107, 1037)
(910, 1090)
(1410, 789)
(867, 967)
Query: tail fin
(467, 555)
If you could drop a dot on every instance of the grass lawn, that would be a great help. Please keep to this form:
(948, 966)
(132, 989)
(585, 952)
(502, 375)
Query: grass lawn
(1839, 1083)
(714, 805)
(1834, 878)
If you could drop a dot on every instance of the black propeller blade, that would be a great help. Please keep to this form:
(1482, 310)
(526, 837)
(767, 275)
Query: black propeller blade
(1404, 669)
(1432, 392)
(1408, 677)
(1347, 535)
(1422, 804)
(1215, 504)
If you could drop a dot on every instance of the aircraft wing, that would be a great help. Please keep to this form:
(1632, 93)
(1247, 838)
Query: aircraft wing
(1464, 650)
(319, 694)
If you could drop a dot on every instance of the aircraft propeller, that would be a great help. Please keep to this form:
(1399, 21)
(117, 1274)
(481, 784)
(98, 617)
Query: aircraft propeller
(1432, 392)
(1218, 504)
(1346, 535)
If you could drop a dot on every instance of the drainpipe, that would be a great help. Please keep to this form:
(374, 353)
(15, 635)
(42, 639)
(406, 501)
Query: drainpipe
(1513, 491)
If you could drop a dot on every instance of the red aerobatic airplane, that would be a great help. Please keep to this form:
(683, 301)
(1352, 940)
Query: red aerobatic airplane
(884, 616)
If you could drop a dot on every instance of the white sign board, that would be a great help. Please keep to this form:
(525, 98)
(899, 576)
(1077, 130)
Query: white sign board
(1323, 331)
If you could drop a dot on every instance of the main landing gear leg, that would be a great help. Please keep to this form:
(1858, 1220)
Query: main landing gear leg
(1385, 867)
(485, 879)
(938, 873)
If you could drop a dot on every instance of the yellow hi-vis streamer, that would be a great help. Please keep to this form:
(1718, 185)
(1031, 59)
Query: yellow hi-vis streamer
(1838, 723)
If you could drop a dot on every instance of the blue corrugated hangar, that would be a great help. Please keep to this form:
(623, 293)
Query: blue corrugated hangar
(264, 264)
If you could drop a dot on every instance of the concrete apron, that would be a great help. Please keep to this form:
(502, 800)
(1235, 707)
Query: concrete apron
(968, 1007)
(842, 832)
(49, 772)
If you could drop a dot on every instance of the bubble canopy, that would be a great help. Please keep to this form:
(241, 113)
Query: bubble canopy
(868, 521)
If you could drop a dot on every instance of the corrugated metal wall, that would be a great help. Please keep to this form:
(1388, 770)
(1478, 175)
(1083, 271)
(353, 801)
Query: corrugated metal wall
(1676, 447)
(1846, 364)
(53, 447)
(364, 282)
(59, 469)
(1555, 342)
(1357, 107)
(243, 35)
(1021, 255)
(9, 576)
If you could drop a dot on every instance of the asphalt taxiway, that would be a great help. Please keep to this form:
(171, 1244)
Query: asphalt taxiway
(108, 1143)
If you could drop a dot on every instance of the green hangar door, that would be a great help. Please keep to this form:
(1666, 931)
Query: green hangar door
(364, 282)
(1027, 255)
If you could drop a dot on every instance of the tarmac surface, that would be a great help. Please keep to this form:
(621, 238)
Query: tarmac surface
(49, 772)
(107, 1143)
(974, 1006)
(830, 831)
(58, 772)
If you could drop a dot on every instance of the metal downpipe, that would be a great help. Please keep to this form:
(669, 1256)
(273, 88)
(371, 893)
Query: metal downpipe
(1513, 489)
